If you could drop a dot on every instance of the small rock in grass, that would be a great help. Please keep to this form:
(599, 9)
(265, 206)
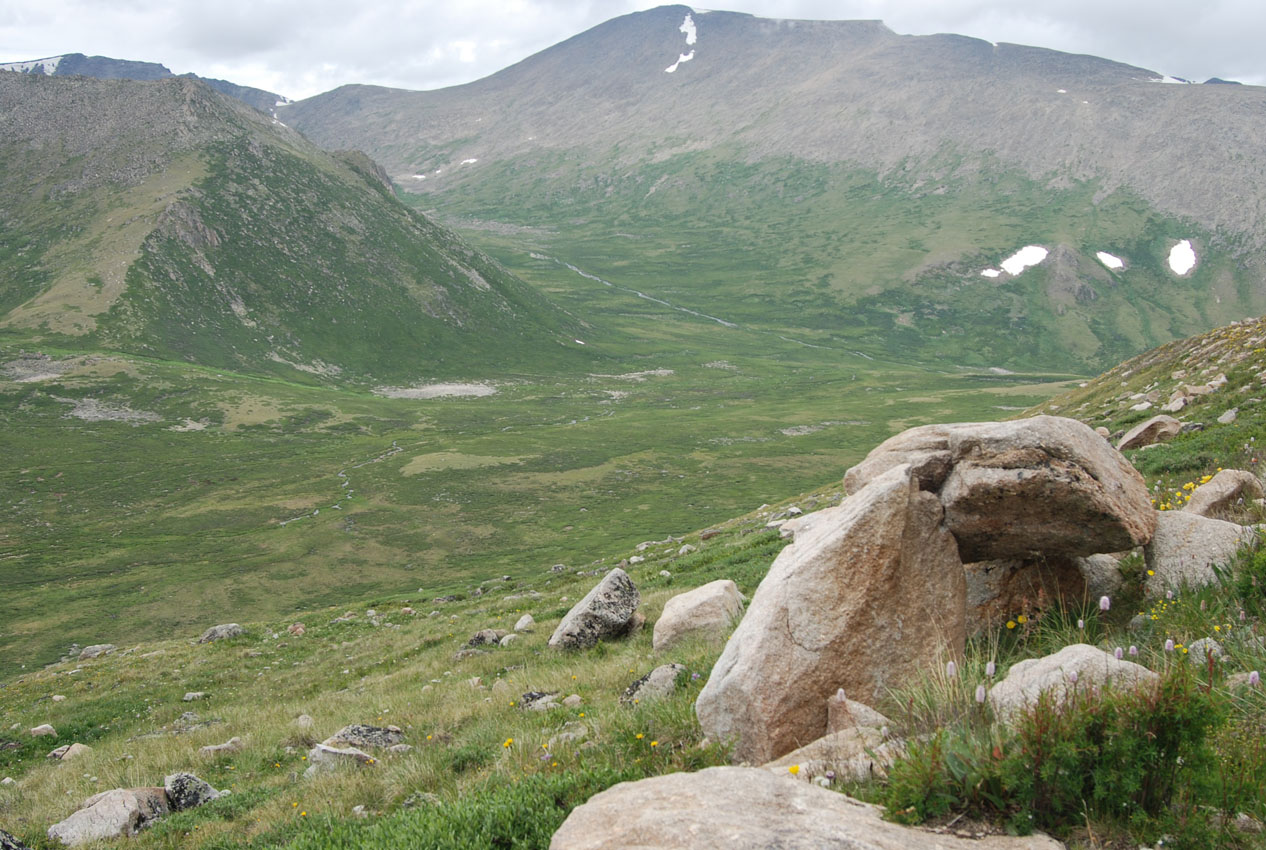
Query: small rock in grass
(44, 730)
(221, 632)
(193, 696)
(538, 701)
(525, 623)
(186, 791)
(232, 745)
(96, 651)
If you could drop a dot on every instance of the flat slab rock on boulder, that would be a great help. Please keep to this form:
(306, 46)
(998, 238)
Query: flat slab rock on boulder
(1046, 485)
(738, 808)
(1222, 491)
(609, 610)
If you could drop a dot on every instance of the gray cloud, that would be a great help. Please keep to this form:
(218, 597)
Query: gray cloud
(303, 47)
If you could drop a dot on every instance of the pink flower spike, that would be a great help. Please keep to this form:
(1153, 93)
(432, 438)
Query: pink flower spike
(1118, 653)
(1081, 624)
(980, 694)
(951, 669)
(1243, 616)
(1254, 678)
(991, 669)
(1134, 651)
(1072, 676)
(1169, 594)
(1169, 644)
(1104, 603)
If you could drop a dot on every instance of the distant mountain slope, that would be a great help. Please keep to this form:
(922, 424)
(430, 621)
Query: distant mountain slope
(836, 177)
(165, 219)
(105, 68)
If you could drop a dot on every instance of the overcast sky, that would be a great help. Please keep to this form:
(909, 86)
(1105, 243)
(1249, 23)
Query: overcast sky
(299, 48)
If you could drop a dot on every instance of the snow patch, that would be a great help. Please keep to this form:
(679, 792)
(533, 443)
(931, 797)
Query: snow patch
(1029, 255)
(1061, 91)
(419, 177)
(687, 27)
(1109, 260)
(1182, 257)
(685, 57)
(579, 341)
(49, 64)
(990, 273)
(469, 161)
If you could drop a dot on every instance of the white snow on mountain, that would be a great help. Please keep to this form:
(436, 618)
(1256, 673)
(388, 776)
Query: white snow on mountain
(1182, 257)
(687, 27)
(1029, 255)
(50, 64)
(1109, 260)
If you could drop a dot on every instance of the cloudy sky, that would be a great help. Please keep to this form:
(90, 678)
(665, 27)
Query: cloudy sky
(300, 48)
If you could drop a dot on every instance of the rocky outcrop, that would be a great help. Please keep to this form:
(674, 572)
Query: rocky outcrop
(737, 808)
(705, 612)
(1158, 429)
(1222, 491)
(111, 814)
(1080, 666)
(221, 632)
(844, 713)
(1034, 487)
(1187, 547)
(486, 637)
(655, 685)
(323, 759)
(70, 752)
(864, 605)
(96, 651)
(608, 611)
(8, 842)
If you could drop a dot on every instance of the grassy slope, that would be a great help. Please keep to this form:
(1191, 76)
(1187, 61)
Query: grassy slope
(494, 783)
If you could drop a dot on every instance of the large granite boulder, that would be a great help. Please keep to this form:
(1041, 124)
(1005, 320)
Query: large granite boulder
(1079, 666)
(1186, 548)
(111, 814)
(738, 808)
(1040, 486)
(1158, 429)
(1222, 491)
(864, 605)
(708, 611)
(608, 611)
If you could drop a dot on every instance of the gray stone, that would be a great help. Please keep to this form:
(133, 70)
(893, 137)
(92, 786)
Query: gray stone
(573, 732)
(323, 759)
(1187, 547)
(1228, 416)
(743, 808)
(1222, 491)
(607, 611)
(844, 713)
(1158, 429)
(111, 814)
(855, 754)
(8, 842)
(69, 752)
(485, 637)
(1199, 651)
(361, 735)
(525, 623)
(233, 745)
(194, 696)
(1101, 574)
(999, 589)
(538, 701)
(508, 639)
(96, 651)
(866, 605)
(44, 731)
(186, 791)
(655, 685)
(1054, 674)
(705, 612)
(221, 632)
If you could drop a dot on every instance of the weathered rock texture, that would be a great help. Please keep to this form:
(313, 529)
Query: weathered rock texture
(8, 842)
(708, 611)
(844, 713)
(863, 605)
(852, 755)
(1102, 575)
(323, 759)
(737, 808)
(655, 685)
(186, 791)
(998, 590)
(123, 811)
(1222, 491)
(96, 651)
(221, 632)
(1186, 548)
(1040, 486)
(360, 735)
(607, 611)
(1158, 429)
(1052, 674)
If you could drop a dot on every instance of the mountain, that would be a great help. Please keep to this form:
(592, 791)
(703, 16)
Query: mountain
(837, 178)
(105, 68)
(162, 218)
